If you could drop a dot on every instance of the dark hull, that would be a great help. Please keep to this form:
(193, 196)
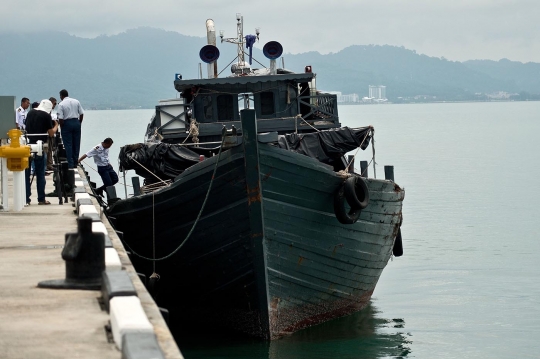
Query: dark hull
(268, 256)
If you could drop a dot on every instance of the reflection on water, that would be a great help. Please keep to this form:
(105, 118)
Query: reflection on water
(361, 335)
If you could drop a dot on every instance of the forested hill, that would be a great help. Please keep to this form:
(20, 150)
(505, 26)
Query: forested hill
(136, 69)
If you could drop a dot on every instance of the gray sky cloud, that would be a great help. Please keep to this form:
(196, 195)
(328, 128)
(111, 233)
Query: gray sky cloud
(458, 29)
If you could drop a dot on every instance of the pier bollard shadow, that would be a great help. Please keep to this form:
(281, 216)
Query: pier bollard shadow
(84, 254)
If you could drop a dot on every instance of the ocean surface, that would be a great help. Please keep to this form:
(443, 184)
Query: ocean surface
(468, 285)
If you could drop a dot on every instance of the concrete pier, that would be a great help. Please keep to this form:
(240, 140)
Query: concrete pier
(58, 323)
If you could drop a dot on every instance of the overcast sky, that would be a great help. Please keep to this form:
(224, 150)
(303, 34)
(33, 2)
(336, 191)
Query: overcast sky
(456, 29)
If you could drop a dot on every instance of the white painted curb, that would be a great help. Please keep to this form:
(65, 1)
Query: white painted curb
(127, 316)
(99, 227)
(112, 260)
(87, 208)
(81, 195)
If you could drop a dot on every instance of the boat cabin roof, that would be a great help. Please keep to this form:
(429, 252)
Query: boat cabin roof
(181, 85)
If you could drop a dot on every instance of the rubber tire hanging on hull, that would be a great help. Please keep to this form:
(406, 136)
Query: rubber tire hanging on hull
(398, 245)
(356, 192)
(339, 208)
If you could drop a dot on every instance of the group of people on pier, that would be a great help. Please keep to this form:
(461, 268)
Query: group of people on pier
(41, 123)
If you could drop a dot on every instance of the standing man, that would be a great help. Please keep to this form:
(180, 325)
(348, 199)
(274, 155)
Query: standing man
(39, 126)
(101, 158)
(21, 113)
(70, 116)
(51, 139)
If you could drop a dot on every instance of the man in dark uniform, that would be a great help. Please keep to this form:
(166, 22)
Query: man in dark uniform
(39, 127)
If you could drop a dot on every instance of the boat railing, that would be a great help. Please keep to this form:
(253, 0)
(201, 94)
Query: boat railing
(319, 106)
(172, 118)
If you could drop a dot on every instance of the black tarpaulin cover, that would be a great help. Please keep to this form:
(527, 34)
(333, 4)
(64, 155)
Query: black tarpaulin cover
(165, 160)
(327, 146)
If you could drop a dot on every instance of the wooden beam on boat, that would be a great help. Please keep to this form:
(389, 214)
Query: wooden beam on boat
(255, 211)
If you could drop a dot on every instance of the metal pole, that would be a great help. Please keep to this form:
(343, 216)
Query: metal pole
(373, 147)
(5, 198)
(125, 187)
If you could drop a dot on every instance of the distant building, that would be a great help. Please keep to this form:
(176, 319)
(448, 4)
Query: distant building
(500, 95)
(352, 98)
(377, 92)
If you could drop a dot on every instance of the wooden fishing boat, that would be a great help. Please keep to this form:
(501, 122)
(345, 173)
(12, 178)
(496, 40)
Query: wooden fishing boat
(253, 217)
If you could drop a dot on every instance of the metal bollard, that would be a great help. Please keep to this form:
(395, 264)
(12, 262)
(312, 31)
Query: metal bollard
(84, 254)
(136, 186)
(364, 169)
(350, 159)
(389, 173)
(112, 198)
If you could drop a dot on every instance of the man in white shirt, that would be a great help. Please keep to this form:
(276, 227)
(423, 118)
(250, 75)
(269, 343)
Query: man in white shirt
(20, 120)
(70, 116)
(101, 159)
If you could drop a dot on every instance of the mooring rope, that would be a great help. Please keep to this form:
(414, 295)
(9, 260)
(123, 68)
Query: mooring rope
(93, 169)
(307, 123)
(196, 219)
(152, 173)
(359, 147)
(154, 274)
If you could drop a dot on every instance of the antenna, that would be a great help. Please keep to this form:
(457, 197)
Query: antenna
(241, 67)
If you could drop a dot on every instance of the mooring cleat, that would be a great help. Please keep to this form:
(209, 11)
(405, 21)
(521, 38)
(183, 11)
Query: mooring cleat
(84, 254)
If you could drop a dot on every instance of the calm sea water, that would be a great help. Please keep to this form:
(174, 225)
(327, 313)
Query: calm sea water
(468, 285)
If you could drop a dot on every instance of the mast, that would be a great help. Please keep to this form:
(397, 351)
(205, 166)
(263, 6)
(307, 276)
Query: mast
(211, 38)
(240, 41)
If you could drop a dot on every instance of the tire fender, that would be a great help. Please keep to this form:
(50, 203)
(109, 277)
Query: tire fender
(398, 245)
(356, 192)
(339, 208)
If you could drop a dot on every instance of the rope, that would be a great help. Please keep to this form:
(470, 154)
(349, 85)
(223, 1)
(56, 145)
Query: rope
(154, 274)
(152, 173)
(194, 223)
(358, 149)
(228, 65)
(300, 116)
(193, 131)
(93, 169)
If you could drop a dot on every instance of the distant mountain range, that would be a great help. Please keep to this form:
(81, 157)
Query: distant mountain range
(136, 68)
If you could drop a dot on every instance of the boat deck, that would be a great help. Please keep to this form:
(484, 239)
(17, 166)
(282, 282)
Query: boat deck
(55, 323)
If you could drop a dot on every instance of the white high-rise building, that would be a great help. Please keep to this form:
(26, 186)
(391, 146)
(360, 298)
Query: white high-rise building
(345, 98)
(377, 92)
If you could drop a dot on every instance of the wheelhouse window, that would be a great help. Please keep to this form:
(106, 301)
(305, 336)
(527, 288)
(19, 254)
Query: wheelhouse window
(208, 111)
(225, 105)
(267, 103)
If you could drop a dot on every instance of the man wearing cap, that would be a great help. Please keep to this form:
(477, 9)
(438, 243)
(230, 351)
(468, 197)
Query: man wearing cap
(70, 116)
(21, 113)
(101, 159)
(39, 127)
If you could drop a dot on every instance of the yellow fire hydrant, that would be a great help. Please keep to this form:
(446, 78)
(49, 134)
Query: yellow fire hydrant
(17, 155)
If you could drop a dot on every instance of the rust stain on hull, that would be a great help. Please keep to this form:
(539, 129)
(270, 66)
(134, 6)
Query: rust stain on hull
(287, 321)
(254, 195)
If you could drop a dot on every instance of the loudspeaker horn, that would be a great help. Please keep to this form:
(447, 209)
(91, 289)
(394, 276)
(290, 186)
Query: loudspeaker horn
(272, 50)
(209, 54)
